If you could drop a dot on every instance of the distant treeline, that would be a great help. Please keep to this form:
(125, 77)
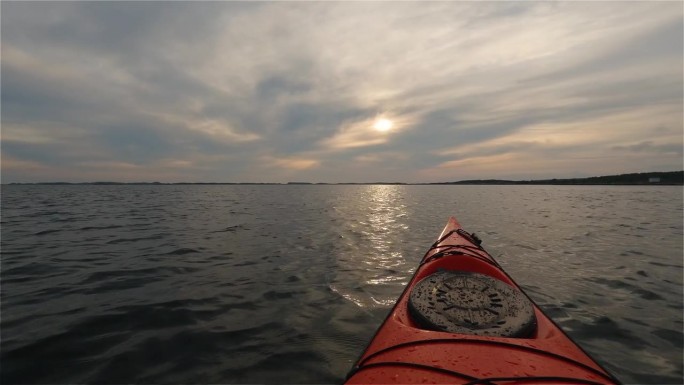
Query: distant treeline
(143, 183)
(645, 178)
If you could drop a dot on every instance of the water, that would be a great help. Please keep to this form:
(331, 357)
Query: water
(266, 284)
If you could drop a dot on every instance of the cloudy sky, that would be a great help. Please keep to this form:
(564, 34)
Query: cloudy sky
(344, 91)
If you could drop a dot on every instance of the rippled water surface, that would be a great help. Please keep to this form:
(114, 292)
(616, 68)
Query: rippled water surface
(266, 284)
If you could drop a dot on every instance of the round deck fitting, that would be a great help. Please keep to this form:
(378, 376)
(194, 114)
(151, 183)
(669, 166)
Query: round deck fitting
(471, 303)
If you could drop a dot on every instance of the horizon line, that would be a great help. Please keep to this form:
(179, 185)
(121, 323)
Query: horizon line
(466, 181)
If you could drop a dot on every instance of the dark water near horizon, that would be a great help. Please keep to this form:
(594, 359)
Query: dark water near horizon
(286, 284)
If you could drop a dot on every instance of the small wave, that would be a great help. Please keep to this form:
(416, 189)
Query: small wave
(17, 279)
(19, 363)
(131, 240)
(231, 229)
(665, 264)
(358, 301)
(617, 284)
(246, 263)
(555, 312)
(30, 269)
(45, 232)
(100, 276)
(182, 251)
(277, 366)
(46, 213)
(121, 285)
(365, 300)
(674, 337)
(275, 295)
(605, 328)
(386, 302)
(100, 227)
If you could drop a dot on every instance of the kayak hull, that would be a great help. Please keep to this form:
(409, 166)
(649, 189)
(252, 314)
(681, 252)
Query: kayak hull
(404, 351)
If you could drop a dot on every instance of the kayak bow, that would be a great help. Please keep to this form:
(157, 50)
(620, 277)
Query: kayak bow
(462, 319)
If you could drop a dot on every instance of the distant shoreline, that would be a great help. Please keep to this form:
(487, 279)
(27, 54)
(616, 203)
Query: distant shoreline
(670, 178)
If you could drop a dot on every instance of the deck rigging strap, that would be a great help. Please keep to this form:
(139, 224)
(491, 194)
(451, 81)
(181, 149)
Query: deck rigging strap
(363, 363)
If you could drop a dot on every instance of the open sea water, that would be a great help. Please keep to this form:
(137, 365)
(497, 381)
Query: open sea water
(287, 284)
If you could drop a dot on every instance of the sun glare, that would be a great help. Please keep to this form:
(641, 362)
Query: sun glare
(383, 125)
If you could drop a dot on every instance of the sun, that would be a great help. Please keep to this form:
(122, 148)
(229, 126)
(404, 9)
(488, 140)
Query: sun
(383, 125)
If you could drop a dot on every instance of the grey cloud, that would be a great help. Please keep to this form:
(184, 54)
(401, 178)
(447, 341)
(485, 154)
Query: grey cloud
(49, 153)
(135, 141)
(649, 146)
(119, 29)
(301, 126)
(31, 95)
(662, 43)
(272, 88)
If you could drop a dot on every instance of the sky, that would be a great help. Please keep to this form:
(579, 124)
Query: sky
(339, 91)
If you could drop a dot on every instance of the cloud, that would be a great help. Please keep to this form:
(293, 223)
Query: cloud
(244, 91)
(356, 134)
(364, 132)
(293, 163)
(649, 146)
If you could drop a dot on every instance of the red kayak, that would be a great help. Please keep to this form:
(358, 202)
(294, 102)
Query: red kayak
(462, 320)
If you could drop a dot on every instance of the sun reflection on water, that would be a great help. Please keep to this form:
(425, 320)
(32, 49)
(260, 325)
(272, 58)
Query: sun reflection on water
(372, 268)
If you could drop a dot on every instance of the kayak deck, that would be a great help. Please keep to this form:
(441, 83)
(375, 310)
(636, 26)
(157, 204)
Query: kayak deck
(410, 348)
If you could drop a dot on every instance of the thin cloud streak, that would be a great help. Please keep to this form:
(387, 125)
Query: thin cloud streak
(256, 92)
